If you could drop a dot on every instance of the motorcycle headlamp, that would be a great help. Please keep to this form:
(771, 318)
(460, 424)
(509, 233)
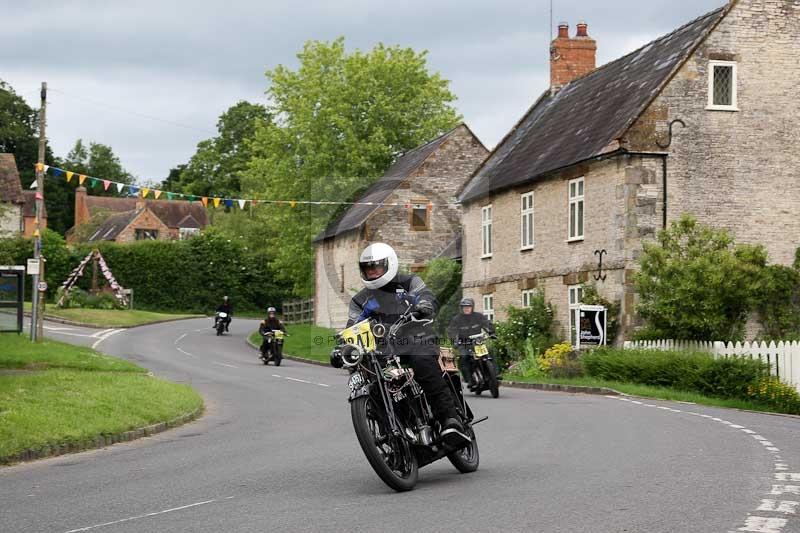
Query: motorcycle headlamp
(351, 355)
(379, 331)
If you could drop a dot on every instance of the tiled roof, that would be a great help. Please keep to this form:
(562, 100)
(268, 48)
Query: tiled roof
(405, 165)
(171, 212)
(10, 186)
(113, 226)
(588, 116)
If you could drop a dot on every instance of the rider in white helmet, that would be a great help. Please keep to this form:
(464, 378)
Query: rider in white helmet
(386, 296)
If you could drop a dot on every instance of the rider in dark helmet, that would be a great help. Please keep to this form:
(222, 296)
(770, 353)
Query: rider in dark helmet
(227, 308)
(465, 324)
(385, 297)
(271, 323)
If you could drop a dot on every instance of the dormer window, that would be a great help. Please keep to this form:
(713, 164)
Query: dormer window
(722, 86)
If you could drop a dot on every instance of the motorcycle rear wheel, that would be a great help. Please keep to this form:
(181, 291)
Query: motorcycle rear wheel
(390, 457)
(466, 459)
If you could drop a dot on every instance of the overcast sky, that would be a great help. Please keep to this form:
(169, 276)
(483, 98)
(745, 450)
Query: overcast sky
(111, 64)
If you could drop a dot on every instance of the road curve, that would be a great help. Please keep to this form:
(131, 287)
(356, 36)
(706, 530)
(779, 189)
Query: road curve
(276, 452)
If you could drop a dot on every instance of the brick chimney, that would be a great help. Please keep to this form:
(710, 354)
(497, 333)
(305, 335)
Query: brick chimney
(140, 201)
(571, 58)
(81, 208)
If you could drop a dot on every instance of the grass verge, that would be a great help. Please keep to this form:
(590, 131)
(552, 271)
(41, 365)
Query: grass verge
(110, 318)
(306, 341)
(646, 391)
(57, 394)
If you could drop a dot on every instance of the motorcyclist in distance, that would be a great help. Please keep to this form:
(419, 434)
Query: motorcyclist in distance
(271, 323)
(465, 324)
(227, 308)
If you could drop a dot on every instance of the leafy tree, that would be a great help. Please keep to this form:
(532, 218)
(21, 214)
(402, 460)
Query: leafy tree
(219, 164)
(97, 160)
(696, 284)
(339, 121)
(443, 277)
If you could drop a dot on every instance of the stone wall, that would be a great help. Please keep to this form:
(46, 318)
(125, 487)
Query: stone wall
(623, 203)
(436, 181)
(738, 170)
(10, 220)
(145, 220)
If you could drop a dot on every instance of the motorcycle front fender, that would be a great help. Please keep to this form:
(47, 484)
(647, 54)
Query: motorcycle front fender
(358, 393)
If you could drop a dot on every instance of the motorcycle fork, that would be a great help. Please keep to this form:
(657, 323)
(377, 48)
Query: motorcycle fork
(388, 405)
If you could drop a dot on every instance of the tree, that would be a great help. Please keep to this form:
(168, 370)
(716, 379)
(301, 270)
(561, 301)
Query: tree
(695, 284)
(97, 160)
(339, 121)
(220, 163)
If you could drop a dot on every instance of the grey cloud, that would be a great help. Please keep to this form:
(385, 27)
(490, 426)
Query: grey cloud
(188, 61)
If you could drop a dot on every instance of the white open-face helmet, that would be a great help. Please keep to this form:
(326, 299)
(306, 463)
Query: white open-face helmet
(378, 255)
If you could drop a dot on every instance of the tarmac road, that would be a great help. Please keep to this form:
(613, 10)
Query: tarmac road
(276, 451)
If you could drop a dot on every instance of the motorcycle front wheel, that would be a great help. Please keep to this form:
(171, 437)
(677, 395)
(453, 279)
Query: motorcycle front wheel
(390, 457)
(494, 386)
(466, 459)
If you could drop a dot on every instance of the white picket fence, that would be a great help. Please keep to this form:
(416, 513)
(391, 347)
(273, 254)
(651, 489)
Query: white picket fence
(783, 357)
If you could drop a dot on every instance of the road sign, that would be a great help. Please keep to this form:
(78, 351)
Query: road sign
(33, 267)
(42, 286)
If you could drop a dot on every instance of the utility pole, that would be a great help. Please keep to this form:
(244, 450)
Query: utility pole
(37, 303)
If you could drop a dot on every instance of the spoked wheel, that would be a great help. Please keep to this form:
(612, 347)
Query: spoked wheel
(494, 386)
(390, 457)
(466, 459)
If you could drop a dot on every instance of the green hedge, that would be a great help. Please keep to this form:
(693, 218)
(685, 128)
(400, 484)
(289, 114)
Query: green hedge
(189, 276)
(689, 371)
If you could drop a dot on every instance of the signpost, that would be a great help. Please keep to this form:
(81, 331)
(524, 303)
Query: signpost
(592, 325)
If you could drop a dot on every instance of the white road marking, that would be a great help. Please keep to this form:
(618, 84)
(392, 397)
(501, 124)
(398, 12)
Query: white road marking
(144, 516)
(783, 506)
(104, 337)
(179, 339)
(184, 352)
(100, 333)
(759, 524)
(224, 364)
(786, 476)
(781, 466)
(777, 490)
(51, 328)
(299, 380)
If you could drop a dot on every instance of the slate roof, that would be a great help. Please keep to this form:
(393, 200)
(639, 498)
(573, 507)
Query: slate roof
(405, 165)
(171, 212)
(10, 186)
(113, 226)
(589, 115)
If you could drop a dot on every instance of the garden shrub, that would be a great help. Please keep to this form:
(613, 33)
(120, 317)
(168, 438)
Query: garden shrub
(443, 278)
(561, 361)
(529, 328)
(777, 394)
(689, 371)
(80, 299)
(778, 302)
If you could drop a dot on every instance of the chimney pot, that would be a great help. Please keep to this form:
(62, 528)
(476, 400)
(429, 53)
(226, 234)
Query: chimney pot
(563, 30)
(571, 58)
(582, 29)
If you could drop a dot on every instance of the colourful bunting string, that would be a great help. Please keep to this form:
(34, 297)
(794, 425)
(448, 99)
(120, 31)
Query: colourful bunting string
(216, 201)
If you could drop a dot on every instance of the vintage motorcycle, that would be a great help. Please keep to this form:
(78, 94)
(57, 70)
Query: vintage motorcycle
(391, 415)
(220, 321)
(274, 347)
(484, 369)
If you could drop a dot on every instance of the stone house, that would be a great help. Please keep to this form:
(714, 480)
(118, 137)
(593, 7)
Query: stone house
(703, 120)
(425, 225)
(134, 218)
(17, 206)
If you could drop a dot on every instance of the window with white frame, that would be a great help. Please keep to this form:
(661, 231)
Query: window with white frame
(526, 221)
(486, 230)
(722, 86)
(527, 297)
(575, 297)
(576, 210)
(488, 306)
(185, 233)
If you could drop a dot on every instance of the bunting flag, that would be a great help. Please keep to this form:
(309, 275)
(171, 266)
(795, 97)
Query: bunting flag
(215, 200)
(33, 185)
